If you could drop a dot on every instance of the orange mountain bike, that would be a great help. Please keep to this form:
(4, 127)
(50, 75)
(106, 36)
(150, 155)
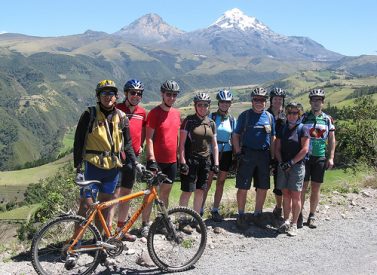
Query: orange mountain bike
(71, 244)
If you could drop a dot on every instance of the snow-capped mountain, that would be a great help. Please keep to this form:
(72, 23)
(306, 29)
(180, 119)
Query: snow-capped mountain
(148, 29)
(236, 19)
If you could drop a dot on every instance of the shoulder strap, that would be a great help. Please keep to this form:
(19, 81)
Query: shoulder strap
(213, 116)
(231, 118)
(246, 121)
(93, 114)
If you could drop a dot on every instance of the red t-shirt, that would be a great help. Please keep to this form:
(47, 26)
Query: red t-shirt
(165, 138)
(137, 119)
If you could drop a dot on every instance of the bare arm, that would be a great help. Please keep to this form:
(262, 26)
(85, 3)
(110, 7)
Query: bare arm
(236, 143)
(182, 141)
(215, 150)
(332, 144)
(149, 143)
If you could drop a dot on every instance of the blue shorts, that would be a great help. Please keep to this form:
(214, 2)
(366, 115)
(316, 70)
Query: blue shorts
(109, 179)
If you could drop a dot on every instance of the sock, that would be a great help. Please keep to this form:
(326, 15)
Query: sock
(120, 224)
(241, 212)
(257, 212)
(215, 209)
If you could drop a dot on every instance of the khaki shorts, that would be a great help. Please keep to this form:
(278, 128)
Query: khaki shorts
(293, 179)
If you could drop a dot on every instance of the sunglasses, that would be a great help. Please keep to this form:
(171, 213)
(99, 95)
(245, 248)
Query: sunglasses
(259, 100)
(224, 101)
(136, 93)
(170, 94)
(107, 93)
(206, 105)
(293, 113)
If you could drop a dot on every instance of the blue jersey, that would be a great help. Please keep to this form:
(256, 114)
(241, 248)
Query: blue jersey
(224, 131)
(256, 135)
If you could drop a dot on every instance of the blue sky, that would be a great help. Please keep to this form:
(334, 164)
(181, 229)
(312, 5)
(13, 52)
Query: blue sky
(346, 26)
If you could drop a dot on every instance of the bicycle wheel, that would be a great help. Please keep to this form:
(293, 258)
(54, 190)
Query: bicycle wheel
(50, 244)
(180, 251)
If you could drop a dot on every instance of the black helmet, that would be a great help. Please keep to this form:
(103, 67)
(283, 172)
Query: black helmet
(224, 95)
(170, 86)
(259, 92)
(106, 85)
(202, 97)
(133, 84)
(277, 92)
(294, 105)
(317, 92)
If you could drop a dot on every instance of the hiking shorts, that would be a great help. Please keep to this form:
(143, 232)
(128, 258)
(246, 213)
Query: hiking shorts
(225, 160)
(293, 179)
(108, 179)
(127, 175)
(197, 176)
(253, 165)
(315, 169)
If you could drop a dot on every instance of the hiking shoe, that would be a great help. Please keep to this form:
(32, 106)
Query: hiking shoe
(283, 228)
(129, 237)
(277, 212)
(300, 221)
(292, 230)
(216, 217)
(144, 230)
(311, 222)
(241, 222)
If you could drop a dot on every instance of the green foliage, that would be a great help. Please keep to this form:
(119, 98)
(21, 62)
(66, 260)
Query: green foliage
(363, 91)
(57, 195)
(357, 138)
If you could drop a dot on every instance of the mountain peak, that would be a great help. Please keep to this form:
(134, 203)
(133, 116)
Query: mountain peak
(150, 27)
(235, 18)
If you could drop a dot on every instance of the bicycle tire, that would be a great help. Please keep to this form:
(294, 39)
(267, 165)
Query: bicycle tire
(49, 244)
(166, 252)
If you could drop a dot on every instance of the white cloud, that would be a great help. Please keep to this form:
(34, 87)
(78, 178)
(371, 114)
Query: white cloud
(2, 32)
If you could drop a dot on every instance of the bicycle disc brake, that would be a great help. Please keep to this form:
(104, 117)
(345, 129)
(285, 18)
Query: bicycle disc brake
(118, 247)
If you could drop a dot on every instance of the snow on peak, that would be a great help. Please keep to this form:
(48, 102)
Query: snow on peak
(235, 18)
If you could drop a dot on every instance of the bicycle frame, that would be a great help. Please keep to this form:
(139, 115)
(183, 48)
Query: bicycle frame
(151, 195)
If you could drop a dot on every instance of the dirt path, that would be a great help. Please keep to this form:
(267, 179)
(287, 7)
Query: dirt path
(345, 242)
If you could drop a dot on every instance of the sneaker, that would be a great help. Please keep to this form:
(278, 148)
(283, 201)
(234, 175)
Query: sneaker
(216, 217)
(277, 212)
(300, 221)
(144, 230)
(292, 230)
(241, 222)
(283, 228)
(311, 222)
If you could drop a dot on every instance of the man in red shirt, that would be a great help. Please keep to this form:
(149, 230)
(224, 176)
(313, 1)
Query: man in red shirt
(162, 130)
(133, 91)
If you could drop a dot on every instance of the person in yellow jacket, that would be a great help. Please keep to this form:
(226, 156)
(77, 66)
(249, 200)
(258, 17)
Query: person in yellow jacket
(102, 139)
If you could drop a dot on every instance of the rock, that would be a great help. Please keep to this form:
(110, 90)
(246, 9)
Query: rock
(218, 230)
(366, 194)
(353, 203)
(143, 240)
(335, 192)
(343, 216)
(145, 260)
(211, 246)
(327, 219)
(326, 207)
(130, 252)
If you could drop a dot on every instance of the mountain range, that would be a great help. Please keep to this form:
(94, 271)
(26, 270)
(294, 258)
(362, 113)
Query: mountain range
(45, 82)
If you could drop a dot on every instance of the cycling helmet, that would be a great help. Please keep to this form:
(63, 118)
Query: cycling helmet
(202, 97)
(277, 92)
(133, 84)
(317, 92)
(259, 92)
(106, 85)
(294, 105)
(224, 95)
(170, 86)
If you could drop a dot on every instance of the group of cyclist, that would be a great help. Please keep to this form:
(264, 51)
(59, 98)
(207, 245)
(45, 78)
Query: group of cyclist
(282, 140)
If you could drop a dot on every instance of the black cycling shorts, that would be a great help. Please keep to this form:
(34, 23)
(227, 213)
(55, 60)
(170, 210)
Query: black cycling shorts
(315, 169)
(225, 161)
(197, 176)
